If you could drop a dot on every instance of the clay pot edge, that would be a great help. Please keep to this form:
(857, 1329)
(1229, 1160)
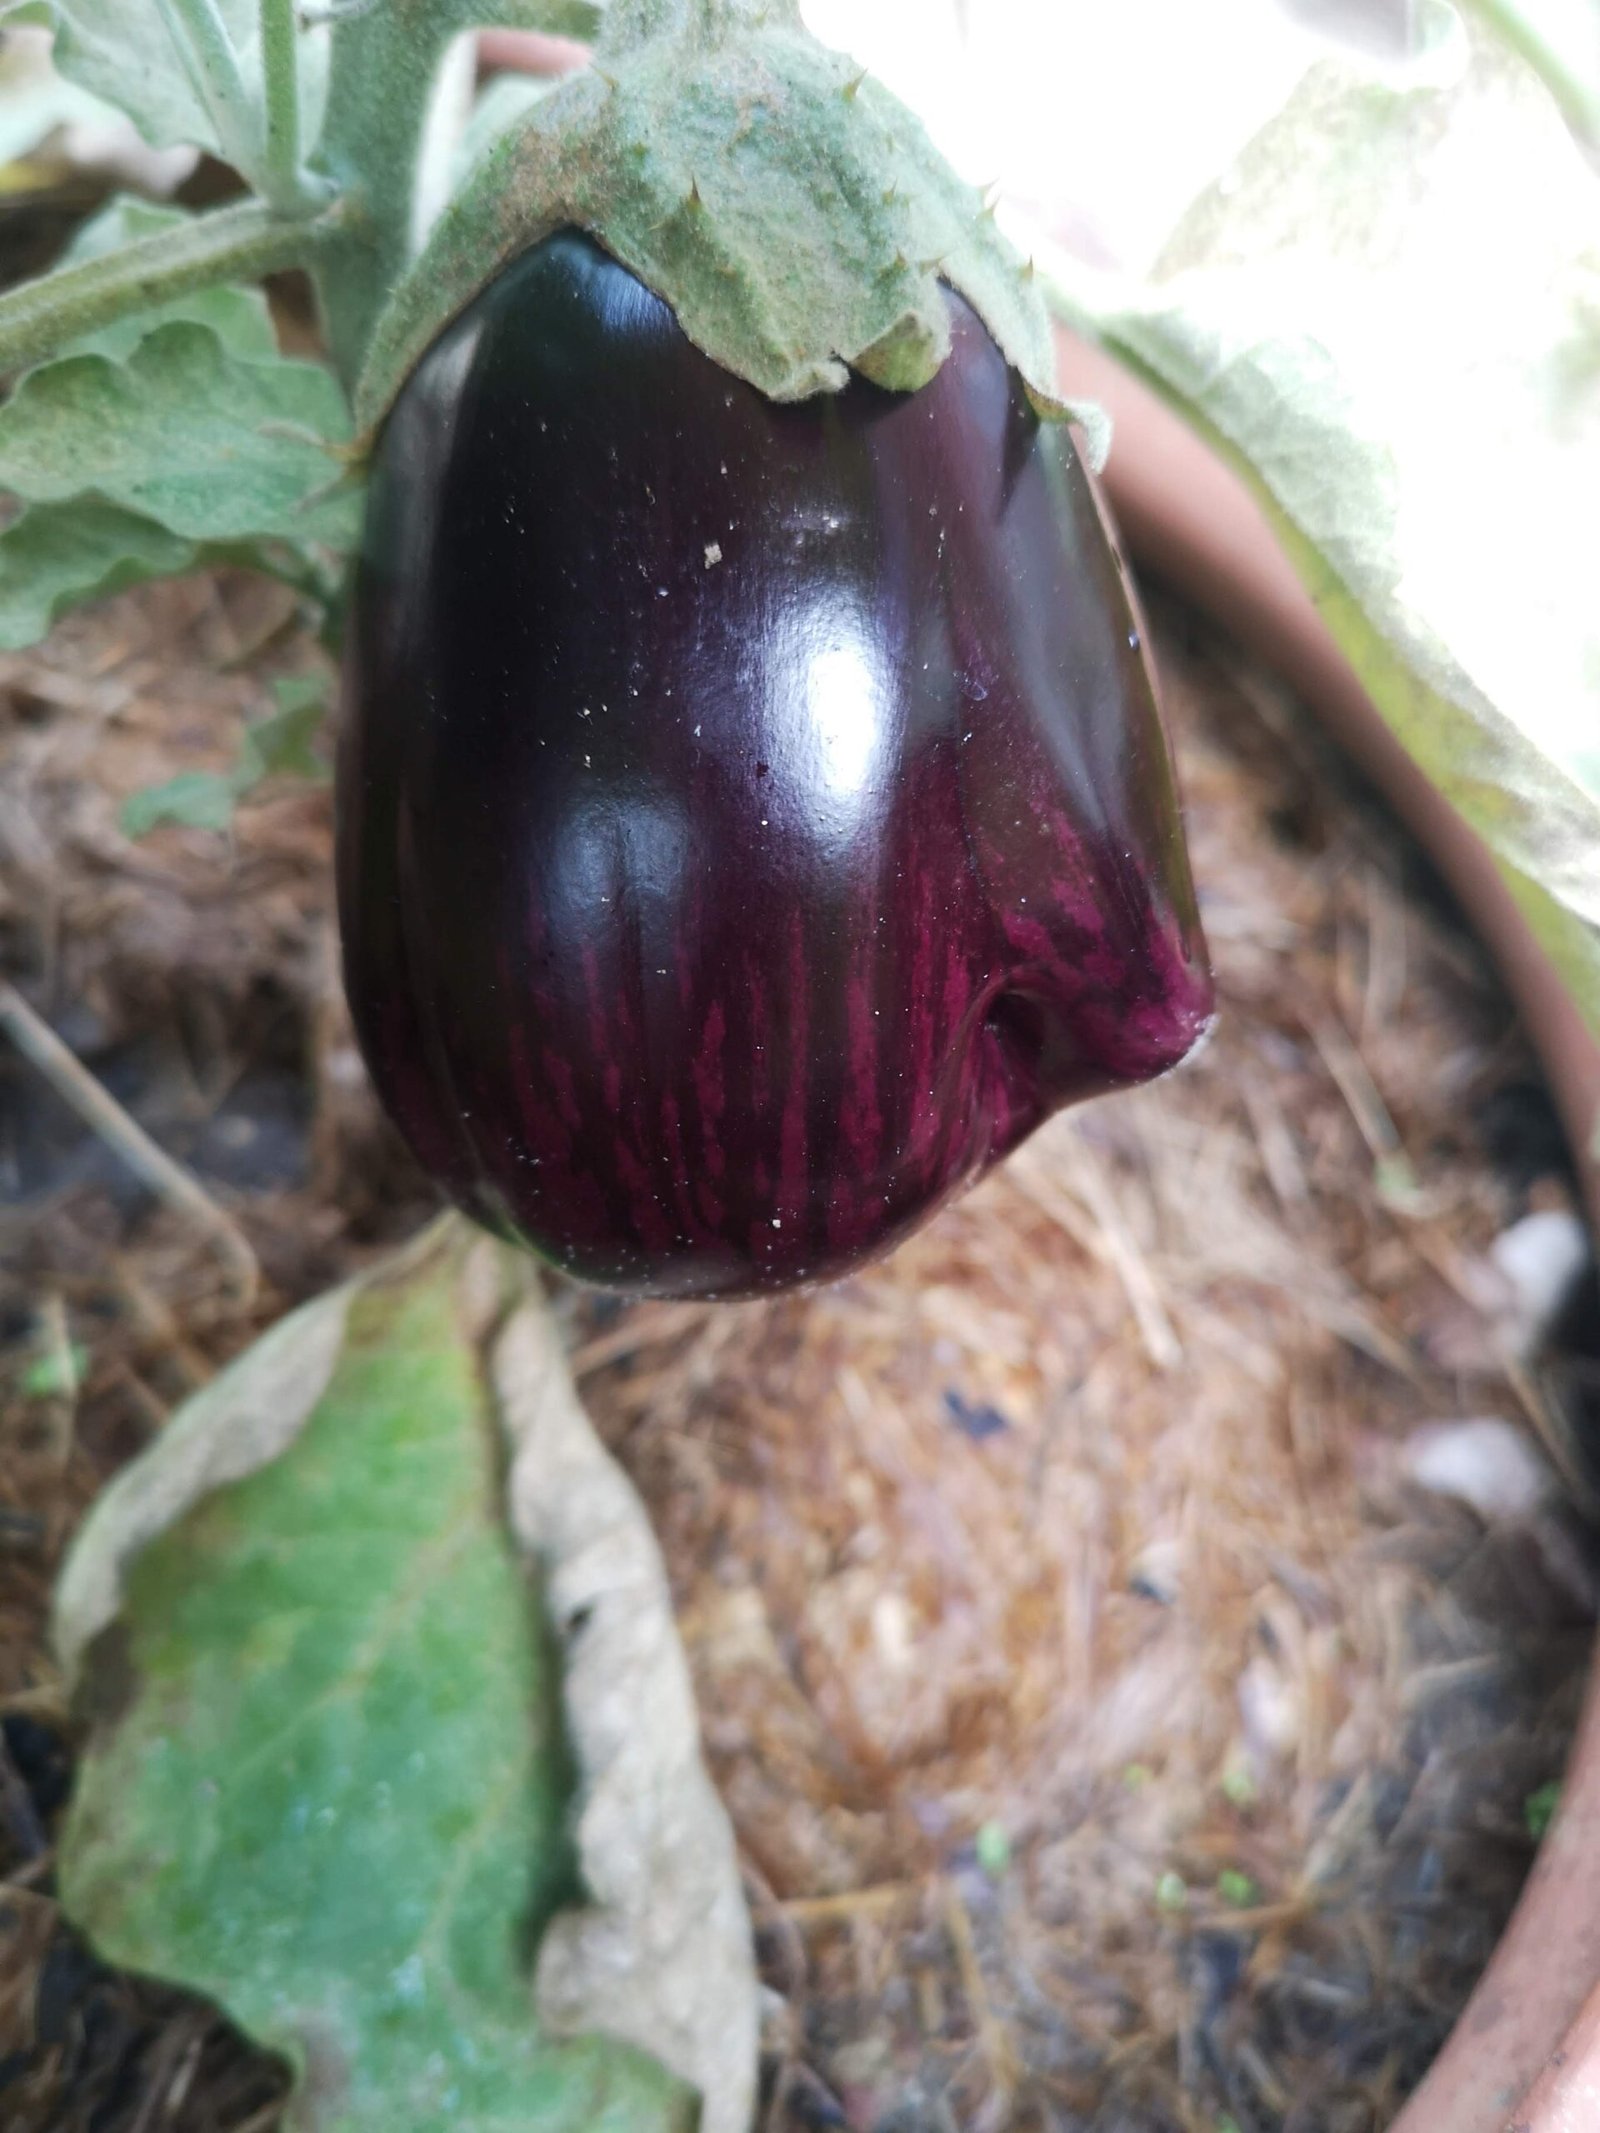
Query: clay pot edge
(1527, 2046)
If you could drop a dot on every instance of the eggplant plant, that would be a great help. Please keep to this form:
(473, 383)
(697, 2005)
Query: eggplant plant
(754, 812)
(754, 817)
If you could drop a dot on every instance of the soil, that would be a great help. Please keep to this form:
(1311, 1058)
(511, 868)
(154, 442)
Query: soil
(1137, 1628)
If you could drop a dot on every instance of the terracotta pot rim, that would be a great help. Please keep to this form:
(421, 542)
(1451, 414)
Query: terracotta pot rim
(1524, 2056)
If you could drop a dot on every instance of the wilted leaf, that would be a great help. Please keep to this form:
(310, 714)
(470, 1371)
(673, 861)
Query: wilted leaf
(661, 1953)
(328, 1782)
(1388, 315)
(212, 446)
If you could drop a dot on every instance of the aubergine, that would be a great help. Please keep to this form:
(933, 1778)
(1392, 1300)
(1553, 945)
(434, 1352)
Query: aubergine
(753, 818)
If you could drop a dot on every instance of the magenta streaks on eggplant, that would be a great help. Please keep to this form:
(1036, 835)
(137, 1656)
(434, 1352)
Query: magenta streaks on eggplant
(753, 820)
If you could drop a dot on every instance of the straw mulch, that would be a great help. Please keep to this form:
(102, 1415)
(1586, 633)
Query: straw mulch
(1118, 1736)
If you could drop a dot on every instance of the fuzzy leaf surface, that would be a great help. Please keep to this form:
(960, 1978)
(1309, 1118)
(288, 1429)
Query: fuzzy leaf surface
(795, 215)
(384, 68)
(56, 556)
(238, 316)
(1388, 317)
(213, 446)
(122, 52)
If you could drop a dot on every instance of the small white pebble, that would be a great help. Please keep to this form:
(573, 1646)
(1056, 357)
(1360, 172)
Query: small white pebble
(1487, 1463)
(713, 553)
(1541, 1259)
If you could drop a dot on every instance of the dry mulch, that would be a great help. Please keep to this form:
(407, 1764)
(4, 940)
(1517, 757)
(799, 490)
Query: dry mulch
(1118, 1736)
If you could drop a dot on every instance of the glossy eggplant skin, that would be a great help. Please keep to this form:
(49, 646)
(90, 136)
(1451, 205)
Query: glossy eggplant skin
(753, 819)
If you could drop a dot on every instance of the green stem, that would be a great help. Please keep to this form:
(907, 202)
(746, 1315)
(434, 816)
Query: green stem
(230, 244)
(382, 65)
(283, 182)
(200, 38)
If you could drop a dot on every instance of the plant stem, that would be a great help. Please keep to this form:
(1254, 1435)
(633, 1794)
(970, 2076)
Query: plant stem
(200, 38)
(282, 181)
(230, 244)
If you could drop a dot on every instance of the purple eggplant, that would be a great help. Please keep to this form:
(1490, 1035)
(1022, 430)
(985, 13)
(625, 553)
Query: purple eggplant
(754, 819)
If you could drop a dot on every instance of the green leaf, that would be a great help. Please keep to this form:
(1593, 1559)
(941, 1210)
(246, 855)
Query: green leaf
(55, 556)
(505, 100)
(992, 1846)
(1539, 1809)
(328, 1782)
(1388, 318)
(196, 799)
(122, 52)
(239, 317)
(57, 1374)
(200, 449)
(212, 446)
(280, 745)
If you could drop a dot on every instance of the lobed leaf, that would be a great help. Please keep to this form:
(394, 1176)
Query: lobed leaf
(205, 444)
(211, 445)
(119, 51)
(56, 556)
